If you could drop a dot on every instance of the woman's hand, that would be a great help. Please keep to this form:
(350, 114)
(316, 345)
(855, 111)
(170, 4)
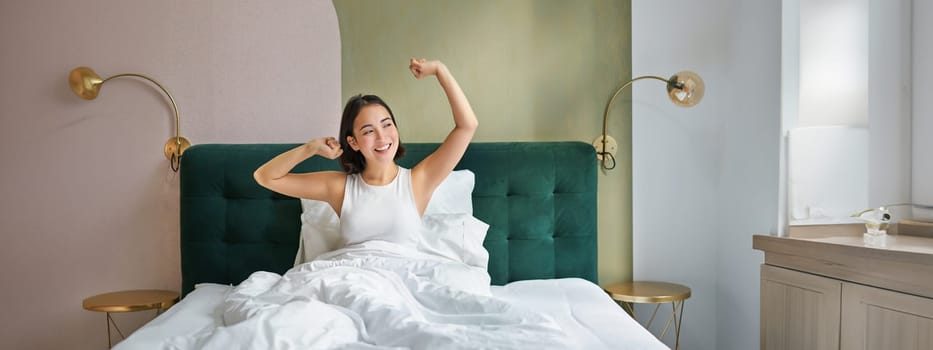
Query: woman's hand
(326, 147)
(422, 68)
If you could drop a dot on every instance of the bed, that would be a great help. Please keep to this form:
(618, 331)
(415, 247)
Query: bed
(538, 198)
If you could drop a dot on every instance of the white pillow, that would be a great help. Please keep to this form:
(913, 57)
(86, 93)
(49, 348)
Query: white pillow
(458, 237)
(320, 230)
(320, 226)
(454, 195)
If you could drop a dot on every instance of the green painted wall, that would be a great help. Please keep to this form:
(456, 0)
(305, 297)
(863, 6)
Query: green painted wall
(533, 71)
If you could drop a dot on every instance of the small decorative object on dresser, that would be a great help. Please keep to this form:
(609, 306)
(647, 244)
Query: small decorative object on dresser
(645, 292)
(129, 301)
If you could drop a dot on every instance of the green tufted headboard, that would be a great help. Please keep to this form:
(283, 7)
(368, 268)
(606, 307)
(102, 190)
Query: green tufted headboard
(539, 199)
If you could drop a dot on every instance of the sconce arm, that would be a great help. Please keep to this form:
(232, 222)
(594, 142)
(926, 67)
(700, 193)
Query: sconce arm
(605, 155)
(176, 146)
(170, 98)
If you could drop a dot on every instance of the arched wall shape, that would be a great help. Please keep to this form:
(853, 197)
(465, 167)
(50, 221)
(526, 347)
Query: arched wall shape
(89, 202)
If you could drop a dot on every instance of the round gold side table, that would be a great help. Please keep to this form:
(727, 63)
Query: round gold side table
(129, 301)
(648, 292)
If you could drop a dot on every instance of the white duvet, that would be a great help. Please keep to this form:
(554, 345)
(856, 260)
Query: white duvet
(375, 295)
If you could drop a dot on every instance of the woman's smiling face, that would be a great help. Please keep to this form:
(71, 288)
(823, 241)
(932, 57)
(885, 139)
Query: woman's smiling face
(374, 134)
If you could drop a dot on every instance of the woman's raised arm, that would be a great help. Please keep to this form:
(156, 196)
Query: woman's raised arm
(431, 171)
(275, 174)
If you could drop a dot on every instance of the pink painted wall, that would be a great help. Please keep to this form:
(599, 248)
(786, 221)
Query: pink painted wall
(87, 201)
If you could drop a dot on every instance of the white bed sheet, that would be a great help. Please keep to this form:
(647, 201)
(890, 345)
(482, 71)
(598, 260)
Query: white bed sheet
(580, 307)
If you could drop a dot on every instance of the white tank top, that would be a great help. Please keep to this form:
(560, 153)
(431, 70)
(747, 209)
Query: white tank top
(385, 213)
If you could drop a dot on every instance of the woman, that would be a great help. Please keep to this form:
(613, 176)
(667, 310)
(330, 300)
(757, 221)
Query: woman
(375, 198)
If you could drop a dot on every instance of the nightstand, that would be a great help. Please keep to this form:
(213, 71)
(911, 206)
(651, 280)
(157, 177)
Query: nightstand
(645, 292)
(129, 301)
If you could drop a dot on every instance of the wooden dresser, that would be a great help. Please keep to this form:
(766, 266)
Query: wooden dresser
(822, 288)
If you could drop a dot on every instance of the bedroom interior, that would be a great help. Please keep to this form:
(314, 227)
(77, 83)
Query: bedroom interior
(690, 190)
(541, 228)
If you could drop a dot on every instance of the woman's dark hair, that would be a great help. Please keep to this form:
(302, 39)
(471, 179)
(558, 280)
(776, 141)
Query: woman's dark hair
(353, 161)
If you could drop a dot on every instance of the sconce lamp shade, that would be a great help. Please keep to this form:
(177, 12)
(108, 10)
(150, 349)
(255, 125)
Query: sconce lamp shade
(685, 89)
(86, 84)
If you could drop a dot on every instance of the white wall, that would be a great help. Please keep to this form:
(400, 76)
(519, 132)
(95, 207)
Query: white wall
(89, 204)
(889, 103)
(833, 63)
(829, 136)
(922, 189)
(790, 84)
(838, 50)
(706, 179)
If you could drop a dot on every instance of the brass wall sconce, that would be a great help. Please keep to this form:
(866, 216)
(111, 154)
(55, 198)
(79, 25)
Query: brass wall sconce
(685, 89)
(86, 84)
